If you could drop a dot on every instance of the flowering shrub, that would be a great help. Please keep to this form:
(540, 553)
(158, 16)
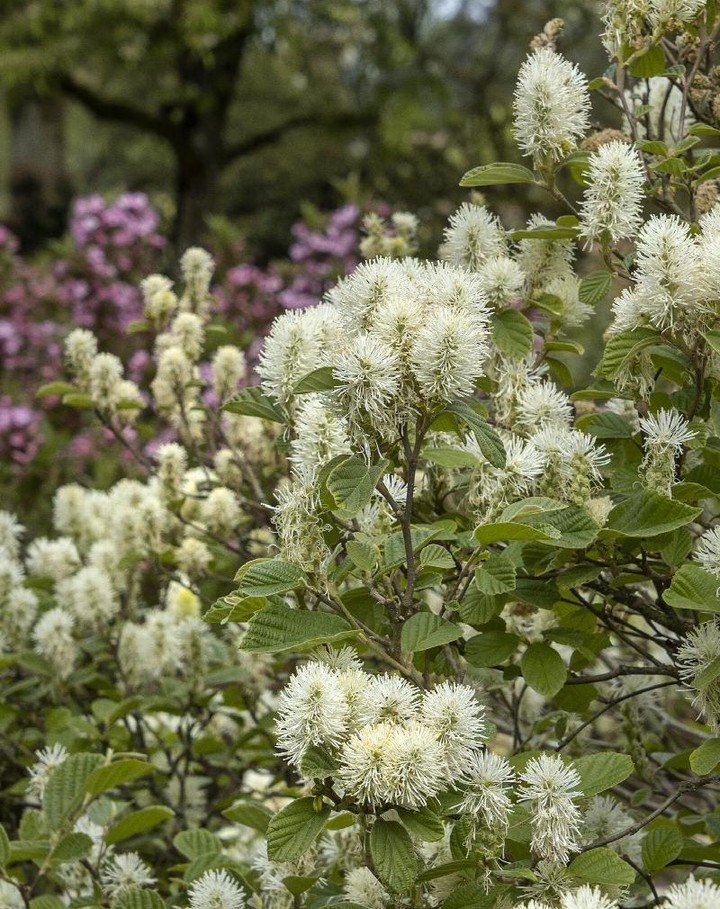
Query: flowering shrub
(405, 623)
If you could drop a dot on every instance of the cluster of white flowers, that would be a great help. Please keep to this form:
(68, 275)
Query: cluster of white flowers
(666, 433)
(550, 789)
(394, 743)
(699, 651)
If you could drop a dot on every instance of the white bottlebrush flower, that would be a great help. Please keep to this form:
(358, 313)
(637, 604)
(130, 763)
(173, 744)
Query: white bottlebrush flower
(416, 765)
(172, 463)
(534, 904)
(709, 244)
(669, 271)
(389, 697)
(10, 896)
(472, 236)
(397, 488)
(364, 889)
(11, 530)
(698, 651)
(220, 512)
(48, 760)
(186, 332)
(707, 551)
(104, 377)
(159, 300)
(320, 434)
(228, 367)
(692, 894)
(11, 575)
(297, 520)
(663, 12)
(193, 557)
(502, 280)
(197, 266)
(81, 348)
(454, 715)
(587, 897)
(125, 871)
(89, 596)
(567, 289)
(543, 261)
(613, 199)
(372, 287)
(368, 376)
(289, 354)
(543, 404)
(18, 614)
(312, 710)
(443, 285)
(216, 890)
(666, 430)
(487, 797)
(549, 788)
(449, 354)
(174, 374)
(551, 106)
(54, 640)
(387, 763)
(604, 818)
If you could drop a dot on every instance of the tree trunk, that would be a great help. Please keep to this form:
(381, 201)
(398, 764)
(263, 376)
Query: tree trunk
(39, 185)
(196, 185)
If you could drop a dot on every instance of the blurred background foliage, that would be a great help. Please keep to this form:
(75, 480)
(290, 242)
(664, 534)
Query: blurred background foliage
(233, 114)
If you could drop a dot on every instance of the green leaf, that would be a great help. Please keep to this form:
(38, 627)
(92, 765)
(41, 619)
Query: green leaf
(594, 287)
(54, 388)
(251, 402)
(497, 174)
(705, 758)
(605, 426)
(138, 899)
(362, 555)
(497, 575)
(543, 669)
(647, 514)
(425, 630)
(47, 901)
(512, 333)
(72, 847)
(693, 588)
(352, 484)
(513, 530)
(78, 400)
(422, 823)
(268, 577)
(4, 847)
(196, 842)
(137, 822)
(661, 846)
(488, 440)
(603, 770)
(622, 347)
(294, 829)
(574, 526)
(115, 774)
(65, 790)
(250, 814)
(490, 648)
(452, 458)
(601, 866)
(321, 379)
(317, 764)
(650, 64)
(277, 628)
(547, 231)
(393, 855)
(436, 556)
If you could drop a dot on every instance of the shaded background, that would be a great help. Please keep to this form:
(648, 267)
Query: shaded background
(244, 109)
(263, 129)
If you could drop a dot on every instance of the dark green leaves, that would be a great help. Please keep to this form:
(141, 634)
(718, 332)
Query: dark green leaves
(497, 174)
(488, 440)
(425, 630)
(393, 855)
(268, 577)
(294, 829)
(278, 628)
(603, 770)
(693, 588)
(251, 402)
(543, 669)
(512, 333)
(647, 514)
